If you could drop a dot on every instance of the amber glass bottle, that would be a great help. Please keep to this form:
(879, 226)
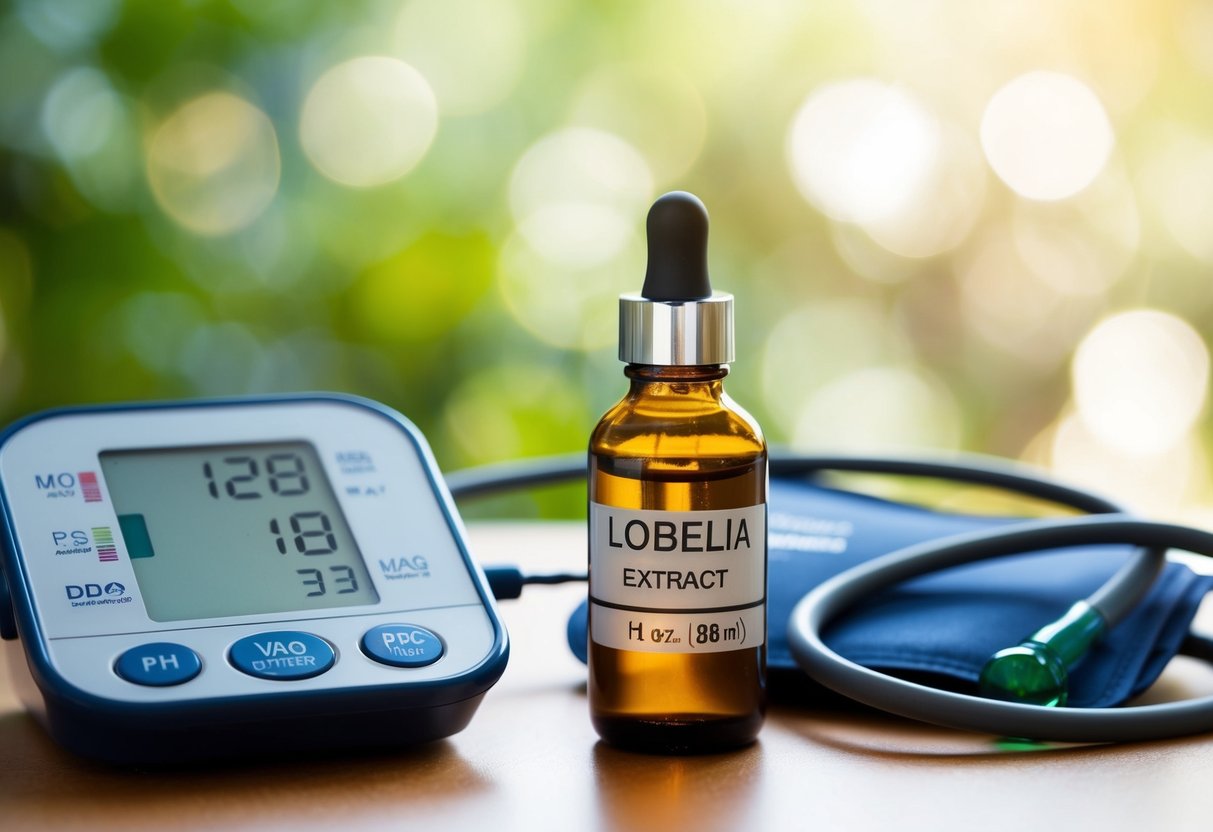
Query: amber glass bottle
(677, 491)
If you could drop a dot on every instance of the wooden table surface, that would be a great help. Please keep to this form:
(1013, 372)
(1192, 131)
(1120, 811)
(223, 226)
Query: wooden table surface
(530, 760)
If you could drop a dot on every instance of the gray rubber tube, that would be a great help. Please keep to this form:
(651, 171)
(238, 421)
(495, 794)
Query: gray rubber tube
(954, 710)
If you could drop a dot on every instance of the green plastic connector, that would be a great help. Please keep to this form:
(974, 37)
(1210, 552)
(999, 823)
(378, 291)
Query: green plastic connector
(1037, 670)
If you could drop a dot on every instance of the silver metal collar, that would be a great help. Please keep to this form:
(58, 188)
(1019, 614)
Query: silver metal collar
(676, 333)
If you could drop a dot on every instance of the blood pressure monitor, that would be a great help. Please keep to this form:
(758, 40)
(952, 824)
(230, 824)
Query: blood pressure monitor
(196, 580)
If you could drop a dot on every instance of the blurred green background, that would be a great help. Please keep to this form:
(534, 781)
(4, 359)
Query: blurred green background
(981, 225)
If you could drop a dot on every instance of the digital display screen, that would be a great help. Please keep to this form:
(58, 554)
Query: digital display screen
(234, 530)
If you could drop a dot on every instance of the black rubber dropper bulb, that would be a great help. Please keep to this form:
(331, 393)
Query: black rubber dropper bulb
(678, 250)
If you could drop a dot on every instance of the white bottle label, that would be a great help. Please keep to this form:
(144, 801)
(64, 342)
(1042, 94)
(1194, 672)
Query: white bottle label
(678, 581)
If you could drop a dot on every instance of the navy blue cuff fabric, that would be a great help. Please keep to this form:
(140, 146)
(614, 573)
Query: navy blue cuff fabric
(948, 624)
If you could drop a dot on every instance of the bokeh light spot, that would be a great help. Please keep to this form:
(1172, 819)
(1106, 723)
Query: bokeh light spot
(1008, 305)
(79, 112)
(579, 165)
(213, 164)
(860, 150)
(1194, 31)
(577, 233)
(942, 211)
(368, 121)
(1161, 485)
(1080, 247)
(1140, 381)
(68, 24)
(651, 106)
(1046, 135)
(221, 359)
(577, 195)
(879, 409)
(1177, 181)
(564, 305)
(471, 51)
(156, 327)
(816, 344)
(94, 133)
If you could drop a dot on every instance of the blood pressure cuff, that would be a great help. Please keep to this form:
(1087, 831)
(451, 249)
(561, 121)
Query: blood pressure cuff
(947, 625)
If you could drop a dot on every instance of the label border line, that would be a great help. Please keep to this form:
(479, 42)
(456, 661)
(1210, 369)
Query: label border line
(674, 610)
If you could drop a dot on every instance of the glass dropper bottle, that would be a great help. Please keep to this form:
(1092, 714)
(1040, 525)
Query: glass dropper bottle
(677, 492)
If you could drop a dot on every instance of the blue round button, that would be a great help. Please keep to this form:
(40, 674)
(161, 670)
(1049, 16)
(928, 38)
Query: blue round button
(402, 645)
(159, 664)
(286, 655)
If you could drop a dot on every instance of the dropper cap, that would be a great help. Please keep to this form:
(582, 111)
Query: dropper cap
(676, 320)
